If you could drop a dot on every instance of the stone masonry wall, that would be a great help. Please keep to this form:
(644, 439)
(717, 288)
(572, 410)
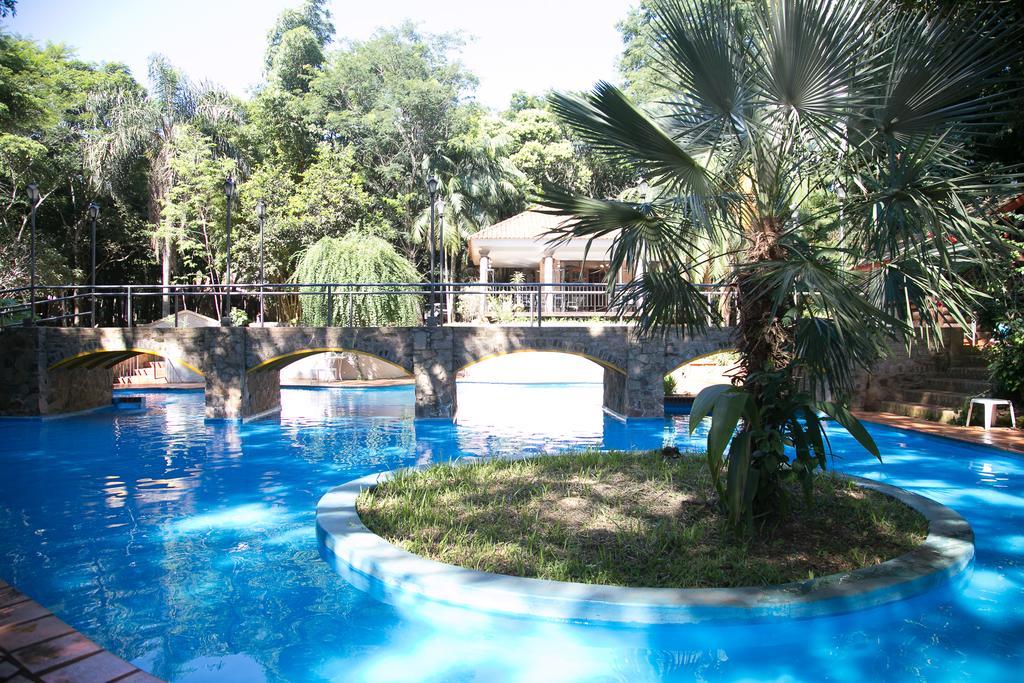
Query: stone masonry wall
(887, 374)
(20, 390)
(54, 370)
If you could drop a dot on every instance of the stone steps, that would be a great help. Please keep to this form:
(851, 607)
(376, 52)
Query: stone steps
(930, 397)
(959, 385)
(967, 372)
(920, 411)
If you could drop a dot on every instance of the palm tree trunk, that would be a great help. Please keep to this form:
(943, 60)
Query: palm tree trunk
(763, 340)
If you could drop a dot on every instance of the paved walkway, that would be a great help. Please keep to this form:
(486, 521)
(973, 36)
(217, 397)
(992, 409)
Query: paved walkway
(37, 646)
(1000, 437)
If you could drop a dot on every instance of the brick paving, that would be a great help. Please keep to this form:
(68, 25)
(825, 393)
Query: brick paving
(37, 647)
(1000, 437)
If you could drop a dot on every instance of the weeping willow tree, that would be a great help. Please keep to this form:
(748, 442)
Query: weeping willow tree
(357, 258)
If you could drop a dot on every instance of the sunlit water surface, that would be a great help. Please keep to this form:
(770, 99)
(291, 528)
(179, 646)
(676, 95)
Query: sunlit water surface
(188, 547)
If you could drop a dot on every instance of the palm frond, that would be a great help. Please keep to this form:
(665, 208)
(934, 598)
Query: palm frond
(936, 79)
(642, 233)
(607, 121)
(700, 50)
(662, 300)
(812, 61)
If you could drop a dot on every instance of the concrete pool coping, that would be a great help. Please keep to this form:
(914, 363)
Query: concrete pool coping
(394, 573)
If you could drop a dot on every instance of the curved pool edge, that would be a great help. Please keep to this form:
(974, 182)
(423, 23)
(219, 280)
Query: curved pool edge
(947, 552)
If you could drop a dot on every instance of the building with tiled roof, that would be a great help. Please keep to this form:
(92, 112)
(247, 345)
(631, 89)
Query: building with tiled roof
(526, 243)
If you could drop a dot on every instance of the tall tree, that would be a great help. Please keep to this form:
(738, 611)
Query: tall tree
(130, 124)
(43, 127)
(858, 99)
(296, 45)
(397, 99)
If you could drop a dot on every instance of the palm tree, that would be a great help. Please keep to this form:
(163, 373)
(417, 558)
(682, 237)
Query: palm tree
(478, 186)
(132, 125)
(762, 110)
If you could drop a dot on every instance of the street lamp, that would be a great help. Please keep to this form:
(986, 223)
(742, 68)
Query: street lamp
(440, 241)
(229, 196)
(443, 264)
(94, 213)
(33, 197)
(432, 191)
(261, 213)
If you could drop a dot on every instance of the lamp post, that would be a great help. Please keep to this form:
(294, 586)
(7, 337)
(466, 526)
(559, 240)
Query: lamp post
(443, 264)
(261, 213)
(94, 213)
(432, 192)
(229, 196)
(33, 198)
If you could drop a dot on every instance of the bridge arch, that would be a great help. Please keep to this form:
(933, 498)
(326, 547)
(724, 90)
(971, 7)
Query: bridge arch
(108, 358)
(580, 354)
(283, 360)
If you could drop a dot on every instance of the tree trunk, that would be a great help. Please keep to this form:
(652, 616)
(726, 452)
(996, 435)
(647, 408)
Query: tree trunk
(763, 341)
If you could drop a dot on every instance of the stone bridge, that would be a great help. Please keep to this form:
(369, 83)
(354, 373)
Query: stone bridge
(47, 371)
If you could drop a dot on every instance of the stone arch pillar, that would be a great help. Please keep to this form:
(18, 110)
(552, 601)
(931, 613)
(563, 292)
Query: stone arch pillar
(434, 372)
(639, 392)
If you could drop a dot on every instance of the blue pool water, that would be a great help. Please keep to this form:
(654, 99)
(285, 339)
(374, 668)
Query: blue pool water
(189, 548)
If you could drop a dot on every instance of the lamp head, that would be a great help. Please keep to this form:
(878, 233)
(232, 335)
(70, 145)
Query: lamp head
(432, 185)
(33, 193)
(261, 209)
(440, 208)
(94, 210)
(229, 188)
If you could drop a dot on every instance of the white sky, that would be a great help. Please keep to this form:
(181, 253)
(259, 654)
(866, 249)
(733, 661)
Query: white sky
(531, 45)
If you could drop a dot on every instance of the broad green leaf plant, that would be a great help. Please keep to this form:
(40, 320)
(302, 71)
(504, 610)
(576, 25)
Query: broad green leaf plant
(773, 122)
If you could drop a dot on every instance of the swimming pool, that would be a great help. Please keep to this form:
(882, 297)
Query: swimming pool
(189, 548)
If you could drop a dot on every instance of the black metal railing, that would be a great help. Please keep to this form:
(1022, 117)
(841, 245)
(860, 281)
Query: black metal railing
(281, 304)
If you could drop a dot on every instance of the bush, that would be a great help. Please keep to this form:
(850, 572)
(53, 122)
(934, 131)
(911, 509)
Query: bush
(1006, 359)
(239, 318)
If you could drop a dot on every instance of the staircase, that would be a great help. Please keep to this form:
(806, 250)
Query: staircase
(149, 372)
(940, 396)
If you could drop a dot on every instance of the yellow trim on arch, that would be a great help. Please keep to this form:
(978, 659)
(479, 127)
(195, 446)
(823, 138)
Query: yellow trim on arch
(602, 363)
(276, 363)
(128, 353)
(703, 355)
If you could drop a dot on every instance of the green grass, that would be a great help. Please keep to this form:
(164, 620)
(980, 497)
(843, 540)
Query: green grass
(627, 519)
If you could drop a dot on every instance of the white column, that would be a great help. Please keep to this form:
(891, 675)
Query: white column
(485, 275)
(548, 275)
(485, 265)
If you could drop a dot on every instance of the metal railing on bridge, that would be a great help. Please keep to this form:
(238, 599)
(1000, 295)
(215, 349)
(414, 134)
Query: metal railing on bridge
(528, 303)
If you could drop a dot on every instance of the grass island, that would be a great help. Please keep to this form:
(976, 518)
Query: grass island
(629, 519)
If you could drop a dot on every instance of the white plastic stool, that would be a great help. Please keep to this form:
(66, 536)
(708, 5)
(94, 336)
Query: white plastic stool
(990, 406)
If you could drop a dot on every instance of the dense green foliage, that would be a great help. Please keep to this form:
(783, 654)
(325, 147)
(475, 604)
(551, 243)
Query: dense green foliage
(1003, 316)
(357, 258)
(763, 110)
(1006, 359)
(340, 137)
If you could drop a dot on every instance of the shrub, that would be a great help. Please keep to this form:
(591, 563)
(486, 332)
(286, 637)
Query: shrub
(1006, 358)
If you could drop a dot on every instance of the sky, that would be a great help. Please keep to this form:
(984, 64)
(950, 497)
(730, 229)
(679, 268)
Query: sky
(531, 45)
